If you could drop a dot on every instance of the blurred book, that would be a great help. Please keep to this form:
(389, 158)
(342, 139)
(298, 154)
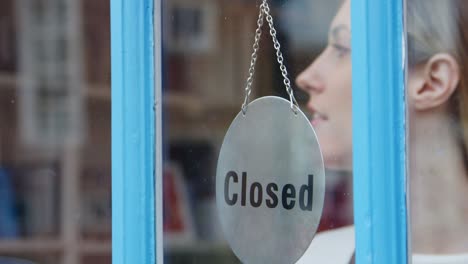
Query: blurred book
(8, 43)
(39, 193)
(178, 218)
(96, 200)
(11, 260)
(197, 161)
(96, 35)
(338, 206)
(8, 217)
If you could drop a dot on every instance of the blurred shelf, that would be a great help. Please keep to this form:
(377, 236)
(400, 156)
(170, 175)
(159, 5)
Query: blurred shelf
(196, 107)
(197, 246)
(100, 247)
(192, 117)
(88, 247)
(190, 105)
(99, 92)
(186, 109)
(9, 82)
(8, 246)
(97, 247)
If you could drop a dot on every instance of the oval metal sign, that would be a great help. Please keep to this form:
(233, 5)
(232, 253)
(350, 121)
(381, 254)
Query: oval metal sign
(270, 183)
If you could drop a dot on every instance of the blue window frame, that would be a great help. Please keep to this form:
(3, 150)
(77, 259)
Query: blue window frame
(378, 134)
(380, 209)
(133, 132)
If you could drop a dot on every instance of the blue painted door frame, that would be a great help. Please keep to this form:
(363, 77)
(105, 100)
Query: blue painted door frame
(379, 169)
(378, 131)
(133, 132)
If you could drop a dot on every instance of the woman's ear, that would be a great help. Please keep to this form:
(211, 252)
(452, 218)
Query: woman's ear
(431, 85)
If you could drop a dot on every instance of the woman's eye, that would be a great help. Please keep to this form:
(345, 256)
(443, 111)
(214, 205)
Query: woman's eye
(340, 50)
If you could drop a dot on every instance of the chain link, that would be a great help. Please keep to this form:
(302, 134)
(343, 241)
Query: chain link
(256, 46)
(265, 12)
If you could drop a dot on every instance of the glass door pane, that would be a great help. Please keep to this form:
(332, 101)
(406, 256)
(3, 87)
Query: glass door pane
(55, 159)
(437, 95)
(207, 52)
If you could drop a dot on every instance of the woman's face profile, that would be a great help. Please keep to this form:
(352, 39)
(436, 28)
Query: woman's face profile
(327, 81)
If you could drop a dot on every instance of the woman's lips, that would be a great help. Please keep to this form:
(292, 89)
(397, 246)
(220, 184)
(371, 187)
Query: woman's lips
(318, 118)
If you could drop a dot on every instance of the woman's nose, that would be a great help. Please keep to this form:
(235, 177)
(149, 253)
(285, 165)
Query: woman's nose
(310, 80)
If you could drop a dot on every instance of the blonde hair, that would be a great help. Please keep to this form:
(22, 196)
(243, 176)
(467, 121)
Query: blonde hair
(441, 26)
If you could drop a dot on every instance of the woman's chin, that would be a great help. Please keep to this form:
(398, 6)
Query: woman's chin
(337, 149)
(337, 162)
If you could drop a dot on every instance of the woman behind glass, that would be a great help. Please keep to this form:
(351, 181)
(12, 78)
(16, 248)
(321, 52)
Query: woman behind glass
(437, 96)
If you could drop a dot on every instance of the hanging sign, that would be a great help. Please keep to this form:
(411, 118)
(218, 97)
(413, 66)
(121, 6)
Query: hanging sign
(270, 183)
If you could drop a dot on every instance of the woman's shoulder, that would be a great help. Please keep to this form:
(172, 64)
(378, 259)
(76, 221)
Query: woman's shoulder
(337, 247)
(440, 259)
(334, 246)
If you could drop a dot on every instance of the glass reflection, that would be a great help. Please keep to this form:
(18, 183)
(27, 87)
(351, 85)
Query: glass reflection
(437, 112)
(55, 132)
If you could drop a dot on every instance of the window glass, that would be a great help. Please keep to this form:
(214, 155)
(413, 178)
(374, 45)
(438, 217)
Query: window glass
(207, 52)
(437, 95)
(55, 165)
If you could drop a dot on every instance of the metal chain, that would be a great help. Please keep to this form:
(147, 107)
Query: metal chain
(258, 34)
(265, 11)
